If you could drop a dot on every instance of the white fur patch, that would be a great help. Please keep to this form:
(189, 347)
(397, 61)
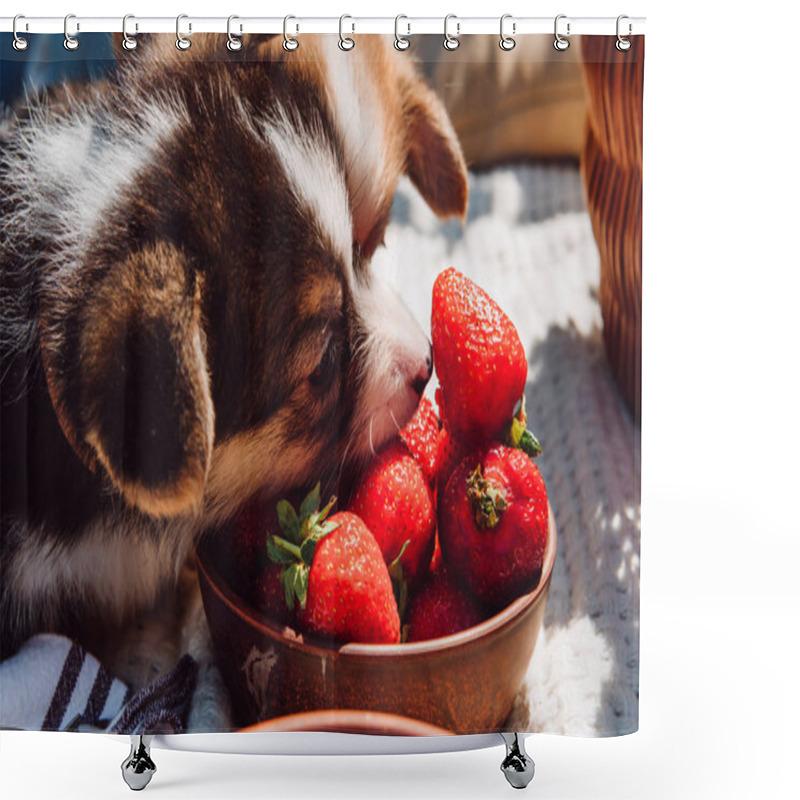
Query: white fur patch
(393, 353)
(68, 169)
(112, 568)
(315, 176)
(356, 108)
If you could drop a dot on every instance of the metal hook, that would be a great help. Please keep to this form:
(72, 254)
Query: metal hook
(128, 42)
(400, 42)
(560, 42)
(70, 42)
(181, 42)
(451, 42)
(623, 43)
(19, 42)
(506, 42)
(234, 42)
(345, 43)
(289, 42)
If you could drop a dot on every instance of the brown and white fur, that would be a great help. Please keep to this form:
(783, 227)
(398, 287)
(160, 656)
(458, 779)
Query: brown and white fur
(188, 311)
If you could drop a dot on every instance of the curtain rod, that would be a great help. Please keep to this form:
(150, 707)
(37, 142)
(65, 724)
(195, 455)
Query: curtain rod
(407, 26)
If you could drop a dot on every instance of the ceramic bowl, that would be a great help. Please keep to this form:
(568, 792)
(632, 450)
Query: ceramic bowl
(464, 683)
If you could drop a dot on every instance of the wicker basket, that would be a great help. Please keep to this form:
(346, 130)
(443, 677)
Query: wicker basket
(612, 172)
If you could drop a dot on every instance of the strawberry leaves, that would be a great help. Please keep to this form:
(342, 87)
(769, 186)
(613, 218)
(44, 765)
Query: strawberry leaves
(282, 552)
(295, 550)
(399, 583)
(287, 519)
(310, 503)
(294, 580)
(519, 436)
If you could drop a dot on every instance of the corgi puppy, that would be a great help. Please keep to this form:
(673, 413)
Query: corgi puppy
(188, 311)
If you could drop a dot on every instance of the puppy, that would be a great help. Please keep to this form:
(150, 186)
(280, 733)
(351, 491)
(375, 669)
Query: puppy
(188, 311)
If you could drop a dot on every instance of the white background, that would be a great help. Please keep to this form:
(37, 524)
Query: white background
(720, 555)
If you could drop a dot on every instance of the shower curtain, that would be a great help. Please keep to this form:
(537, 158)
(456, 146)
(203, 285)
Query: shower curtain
(320, 385)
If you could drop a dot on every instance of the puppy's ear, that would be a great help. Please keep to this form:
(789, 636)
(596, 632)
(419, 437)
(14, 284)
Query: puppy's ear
(128, 376)
(434, 160)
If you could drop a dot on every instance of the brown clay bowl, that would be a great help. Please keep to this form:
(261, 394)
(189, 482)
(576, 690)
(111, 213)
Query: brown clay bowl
(465, 683)
(342, 720)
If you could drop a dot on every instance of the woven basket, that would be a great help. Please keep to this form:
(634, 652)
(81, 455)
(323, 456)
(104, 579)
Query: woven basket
(611, 165)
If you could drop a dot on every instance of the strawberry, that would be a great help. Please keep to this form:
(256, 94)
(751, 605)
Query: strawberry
(493, 524)
(350, 596)
(519, 436)
(333, 575)
(440, 608)
(247, 552)
(451, 451)
(421, 437)
(479, 359)
(247, 548)
(396, 503)
(269, 596)
(449, 454)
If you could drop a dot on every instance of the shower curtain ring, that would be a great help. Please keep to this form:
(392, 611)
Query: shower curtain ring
(128, 41)
(623, 43)
(451, 42)
(234, 42)
(560, 42)
(401, 42)
(70, 42)
(289, 42)
(181, 42)
(19, 42)
(507, 42)
(345, 42)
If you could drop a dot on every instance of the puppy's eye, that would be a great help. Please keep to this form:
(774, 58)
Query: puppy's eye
(322, 377)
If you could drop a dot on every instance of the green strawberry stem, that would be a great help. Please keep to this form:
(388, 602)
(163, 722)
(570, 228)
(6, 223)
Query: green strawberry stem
(288, 547)
(399, 583)
(520, 437)
(487, 500)
(295, 553)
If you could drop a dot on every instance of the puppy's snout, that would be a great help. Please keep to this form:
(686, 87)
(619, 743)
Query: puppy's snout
(424, 375)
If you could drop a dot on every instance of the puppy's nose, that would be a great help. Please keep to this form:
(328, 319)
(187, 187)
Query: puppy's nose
(421, 381)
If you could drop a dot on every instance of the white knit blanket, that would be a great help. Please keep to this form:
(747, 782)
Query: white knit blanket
(528, 241)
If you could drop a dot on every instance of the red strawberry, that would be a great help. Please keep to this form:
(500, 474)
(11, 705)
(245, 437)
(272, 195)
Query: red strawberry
(334, 576)
(396, 504)
(479, 359)
(247, 550)
(450, 453)
(440, 608)
(350, 595)
(247, 553)
(268, 595)
(493, 524)
(421, 436)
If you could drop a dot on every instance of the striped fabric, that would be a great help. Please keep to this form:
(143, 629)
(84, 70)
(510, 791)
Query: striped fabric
(53, 684)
